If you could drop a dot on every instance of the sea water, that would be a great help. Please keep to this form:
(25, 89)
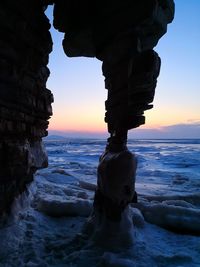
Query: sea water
(45, 226)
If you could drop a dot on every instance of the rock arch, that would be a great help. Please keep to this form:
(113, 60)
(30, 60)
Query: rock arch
(121, 34)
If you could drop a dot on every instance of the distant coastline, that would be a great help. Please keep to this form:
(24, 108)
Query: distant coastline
(67, 138)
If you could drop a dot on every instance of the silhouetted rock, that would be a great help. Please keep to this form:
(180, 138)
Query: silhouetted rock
(25, 102)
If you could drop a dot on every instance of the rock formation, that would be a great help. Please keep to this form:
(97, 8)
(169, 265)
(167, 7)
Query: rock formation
(122, 35)
(25, 103)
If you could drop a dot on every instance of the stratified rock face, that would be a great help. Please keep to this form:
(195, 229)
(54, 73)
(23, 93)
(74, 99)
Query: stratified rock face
(25, 102)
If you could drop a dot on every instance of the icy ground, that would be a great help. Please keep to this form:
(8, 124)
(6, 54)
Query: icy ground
(45, 228)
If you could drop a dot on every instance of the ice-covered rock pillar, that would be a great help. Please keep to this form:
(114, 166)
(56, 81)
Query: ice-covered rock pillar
(25, 102)
(131, 68)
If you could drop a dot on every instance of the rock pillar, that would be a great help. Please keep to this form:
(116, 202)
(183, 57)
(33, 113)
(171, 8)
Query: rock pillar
(131, 67)
(122, 34)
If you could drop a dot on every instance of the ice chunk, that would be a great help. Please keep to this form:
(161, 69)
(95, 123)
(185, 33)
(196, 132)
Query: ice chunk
(179, 180)
(57, 206)
(112, 260)
(61, 171)
(193, 198)
(59, 178)
(82, 195)
(138, 219)
(88, 186)
(176, 218)
(180, 203)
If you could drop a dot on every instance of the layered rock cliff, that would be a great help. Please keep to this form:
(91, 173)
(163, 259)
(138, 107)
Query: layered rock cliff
(25, 102)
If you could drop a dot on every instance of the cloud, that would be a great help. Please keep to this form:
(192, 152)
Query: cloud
(195, 121)
(187, 130)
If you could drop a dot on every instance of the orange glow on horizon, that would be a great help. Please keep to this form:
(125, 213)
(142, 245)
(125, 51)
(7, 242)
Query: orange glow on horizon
(91, 126)
(78, 124)
(91, 119)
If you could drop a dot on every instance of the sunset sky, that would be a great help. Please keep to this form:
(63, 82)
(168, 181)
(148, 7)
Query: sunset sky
(78, 84)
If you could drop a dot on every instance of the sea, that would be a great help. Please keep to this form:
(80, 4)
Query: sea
(46, 225)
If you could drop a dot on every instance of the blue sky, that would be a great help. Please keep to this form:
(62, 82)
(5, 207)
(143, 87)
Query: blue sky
(78, 84)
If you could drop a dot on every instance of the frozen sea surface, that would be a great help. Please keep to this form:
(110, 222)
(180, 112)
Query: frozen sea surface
(45, 228)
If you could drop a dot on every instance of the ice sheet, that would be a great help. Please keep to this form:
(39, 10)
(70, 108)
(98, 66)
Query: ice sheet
(45, 228)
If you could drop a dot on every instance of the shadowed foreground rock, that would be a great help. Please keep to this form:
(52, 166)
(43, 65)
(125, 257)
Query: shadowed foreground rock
(115, 184)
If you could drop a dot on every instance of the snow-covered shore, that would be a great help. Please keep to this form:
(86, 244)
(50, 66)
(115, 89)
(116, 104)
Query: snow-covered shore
(47, 222)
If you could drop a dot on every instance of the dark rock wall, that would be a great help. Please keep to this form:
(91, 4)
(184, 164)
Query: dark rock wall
(25, 102)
